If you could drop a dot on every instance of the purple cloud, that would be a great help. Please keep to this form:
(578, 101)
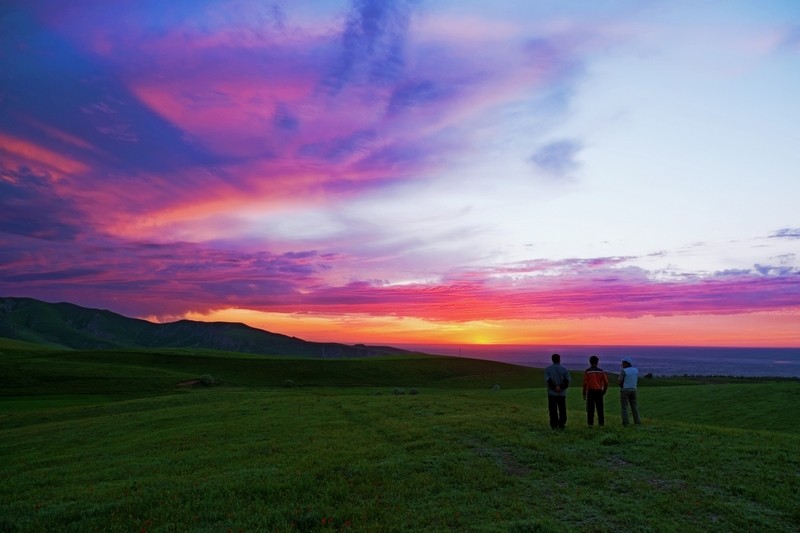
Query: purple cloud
(787, 233)
(372, 44)
(558, 159)
(32, 208)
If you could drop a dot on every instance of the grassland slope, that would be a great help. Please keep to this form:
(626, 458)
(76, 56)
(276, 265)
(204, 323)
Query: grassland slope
(84, 449)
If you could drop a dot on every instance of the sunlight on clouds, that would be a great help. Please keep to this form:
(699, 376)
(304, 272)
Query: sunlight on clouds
(749, 329)
(356, 328)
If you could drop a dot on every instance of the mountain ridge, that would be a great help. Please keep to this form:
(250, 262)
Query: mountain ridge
(67, 325)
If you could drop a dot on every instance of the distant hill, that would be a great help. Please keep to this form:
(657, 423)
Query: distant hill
(66, 325)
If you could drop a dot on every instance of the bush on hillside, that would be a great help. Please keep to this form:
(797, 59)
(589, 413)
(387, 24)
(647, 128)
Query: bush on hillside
(207, 380)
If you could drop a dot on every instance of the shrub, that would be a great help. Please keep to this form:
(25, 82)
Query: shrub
(496, 387)
(398, 391)
(413, 391)
(207, 380)
(289, 383)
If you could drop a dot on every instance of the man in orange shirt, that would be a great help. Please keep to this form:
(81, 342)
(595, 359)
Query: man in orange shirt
(595, 385)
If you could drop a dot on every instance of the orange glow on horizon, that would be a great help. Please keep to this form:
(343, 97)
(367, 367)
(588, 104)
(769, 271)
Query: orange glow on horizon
(744, 330)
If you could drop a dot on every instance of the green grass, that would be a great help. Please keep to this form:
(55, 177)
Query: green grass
(138, 373)
(342, 452)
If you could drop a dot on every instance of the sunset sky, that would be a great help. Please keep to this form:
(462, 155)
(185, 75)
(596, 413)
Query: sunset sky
(386, 171)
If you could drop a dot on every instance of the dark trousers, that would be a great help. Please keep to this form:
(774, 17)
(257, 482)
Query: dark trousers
(594, 400)
(557, 406)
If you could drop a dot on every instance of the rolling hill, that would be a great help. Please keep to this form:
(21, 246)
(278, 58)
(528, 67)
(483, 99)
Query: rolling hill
(65, 325)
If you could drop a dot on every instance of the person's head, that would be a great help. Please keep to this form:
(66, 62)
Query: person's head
(626, 362)
(556, 358)
(593, 360)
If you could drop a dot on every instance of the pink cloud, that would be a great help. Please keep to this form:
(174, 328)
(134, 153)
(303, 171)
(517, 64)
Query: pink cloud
(627, 293)
(231, 91)
(18, 152)
(246, 115)
(150, 279)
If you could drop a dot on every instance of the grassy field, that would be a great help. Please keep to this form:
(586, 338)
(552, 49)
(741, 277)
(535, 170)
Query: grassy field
(107, 441)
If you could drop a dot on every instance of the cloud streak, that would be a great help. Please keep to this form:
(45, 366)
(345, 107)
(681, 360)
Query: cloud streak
(787, 233)
(297, 282)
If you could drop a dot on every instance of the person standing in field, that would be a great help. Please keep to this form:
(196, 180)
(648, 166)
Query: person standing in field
(628, 380)
(557, 379)
(595, 385)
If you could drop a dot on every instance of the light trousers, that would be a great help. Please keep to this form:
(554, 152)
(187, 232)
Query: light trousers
(628, 397)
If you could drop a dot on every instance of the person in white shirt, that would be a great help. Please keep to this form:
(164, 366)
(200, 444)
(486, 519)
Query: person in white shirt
(628, 380)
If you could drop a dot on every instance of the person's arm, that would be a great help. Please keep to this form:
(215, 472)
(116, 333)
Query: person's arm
(605, 382)
(585, 383)
(621, 377)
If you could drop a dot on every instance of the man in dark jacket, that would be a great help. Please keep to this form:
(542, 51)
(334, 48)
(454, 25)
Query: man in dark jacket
(557, 379)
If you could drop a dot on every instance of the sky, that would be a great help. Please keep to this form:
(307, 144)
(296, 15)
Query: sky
(409, 171)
